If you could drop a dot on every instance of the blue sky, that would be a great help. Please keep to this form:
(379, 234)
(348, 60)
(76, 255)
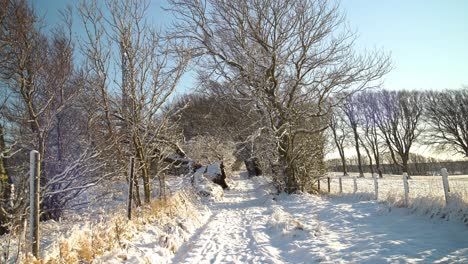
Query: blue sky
(428, 40)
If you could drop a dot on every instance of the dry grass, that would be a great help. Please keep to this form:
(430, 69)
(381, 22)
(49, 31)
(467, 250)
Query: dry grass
(426, 194)
(84, 246)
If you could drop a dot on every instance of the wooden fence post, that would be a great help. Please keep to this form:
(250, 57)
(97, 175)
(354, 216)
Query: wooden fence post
(406, 187)
(446, 184)
(355, 184)
(341, 184)
(328, 178)
(130, 189)
(376, 186)
(34, 192)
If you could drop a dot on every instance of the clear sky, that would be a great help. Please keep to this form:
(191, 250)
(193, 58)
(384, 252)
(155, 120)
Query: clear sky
(428, 40)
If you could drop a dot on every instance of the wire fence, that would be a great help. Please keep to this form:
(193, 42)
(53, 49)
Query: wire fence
(392, 188)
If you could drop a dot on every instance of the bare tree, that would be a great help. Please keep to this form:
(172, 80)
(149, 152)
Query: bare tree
(339, 131)
(350, 109)
(399, 121)
(41, 85)
(287, 57)
(120, 39)
(368, 108)
(446, 114)
(369, 155)
(6, 185)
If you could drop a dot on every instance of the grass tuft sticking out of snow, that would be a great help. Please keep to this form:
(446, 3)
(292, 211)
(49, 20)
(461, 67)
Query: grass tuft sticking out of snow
(426, 194)
(164, 225)
(285, 225)
(420, 203)
(435, 207)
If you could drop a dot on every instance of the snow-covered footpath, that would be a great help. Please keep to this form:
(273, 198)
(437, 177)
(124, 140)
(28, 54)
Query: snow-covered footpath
(250, 225)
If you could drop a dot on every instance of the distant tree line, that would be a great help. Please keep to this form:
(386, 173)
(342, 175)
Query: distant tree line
(389, 123)
(418, 165)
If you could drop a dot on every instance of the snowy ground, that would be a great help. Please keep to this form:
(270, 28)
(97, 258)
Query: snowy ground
(248, 224)
(252, 226)
(425, 196)
(100, 232)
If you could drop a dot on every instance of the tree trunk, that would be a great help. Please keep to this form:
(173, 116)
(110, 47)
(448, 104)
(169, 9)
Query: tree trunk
(59, 138)
(371, 165)
(146, 184)
(392, 153)
(370, 159)
(5, 180)
(252, 167)
(285, 162)
(340, 148)
(377, 161)
(377, 165)
(162, 186)
(343, 162)
(146, 181)
(6, 187)
(404, 165)
(5, 183)
(136, 193)
(358, 152)
(140, 155)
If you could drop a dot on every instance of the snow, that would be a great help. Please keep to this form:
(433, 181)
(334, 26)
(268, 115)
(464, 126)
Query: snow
(205, 187)
(214, 169)
(425, 197)
(158, 239)
(154, 234)
(250, 225)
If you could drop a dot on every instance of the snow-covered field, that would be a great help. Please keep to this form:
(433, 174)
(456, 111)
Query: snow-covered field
(426, 193)
(418, 185)
(253, 226)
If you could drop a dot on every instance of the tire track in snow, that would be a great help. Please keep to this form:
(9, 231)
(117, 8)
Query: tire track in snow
(330, 231)
(234, 234)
